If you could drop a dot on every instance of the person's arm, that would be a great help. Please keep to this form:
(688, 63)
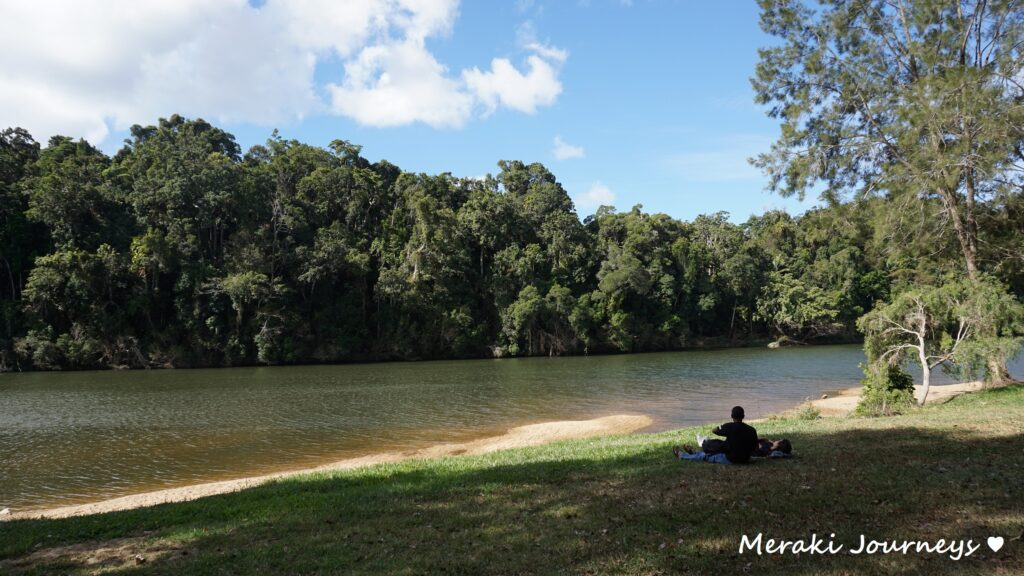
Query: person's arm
(718, 430)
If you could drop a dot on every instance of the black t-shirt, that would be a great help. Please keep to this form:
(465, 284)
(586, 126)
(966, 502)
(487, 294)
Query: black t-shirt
(740, 441)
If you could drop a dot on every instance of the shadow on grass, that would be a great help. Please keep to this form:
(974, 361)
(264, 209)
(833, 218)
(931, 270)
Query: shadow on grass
(623, 507)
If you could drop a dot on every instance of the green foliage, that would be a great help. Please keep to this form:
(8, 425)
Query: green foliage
(915, 102)
(888, 390)
(181, 251)
(959, 325)
(997, 318)
(38, 348)
(807, 412)
(796, 309)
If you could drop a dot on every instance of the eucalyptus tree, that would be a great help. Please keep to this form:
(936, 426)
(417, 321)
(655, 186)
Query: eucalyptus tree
(914, 99)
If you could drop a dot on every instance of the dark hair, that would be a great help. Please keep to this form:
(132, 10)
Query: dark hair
(785, 447)
(737, 412)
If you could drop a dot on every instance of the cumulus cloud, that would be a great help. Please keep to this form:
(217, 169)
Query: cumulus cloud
(597, 195)
(83, 68)
(563, 150)
(505, 85)
(399, 84)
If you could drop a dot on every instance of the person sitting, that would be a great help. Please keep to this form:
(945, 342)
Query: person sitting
(739, 444)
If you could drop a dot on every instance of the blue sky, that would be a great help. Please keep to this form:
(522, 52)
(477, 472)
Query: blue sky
(650, 100)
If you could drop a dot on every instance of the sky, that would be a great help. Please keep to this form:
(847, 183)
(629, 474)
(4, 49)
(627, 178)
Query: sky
(626, 102)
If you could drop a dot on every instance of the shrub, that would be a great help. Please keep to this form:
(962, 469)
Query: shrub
(807, 412)
(38, 346)
(888, 391)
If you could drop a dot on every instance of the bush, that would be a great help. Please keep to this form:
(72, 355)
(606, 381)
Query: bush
(807, 412)
(38, 347)
(888, 391)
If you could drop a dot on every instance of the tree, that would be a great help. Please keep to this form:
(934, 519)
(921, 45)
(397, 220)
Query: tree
(84, 302)
(19, 238)
(180, 251)
(69, 194)
(954, 324)
(184, 181)
(796, 310)
(917, 99)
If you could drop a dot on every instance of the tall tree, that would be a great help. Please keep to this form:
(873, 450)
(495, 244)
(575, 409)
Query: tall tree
(924, 99)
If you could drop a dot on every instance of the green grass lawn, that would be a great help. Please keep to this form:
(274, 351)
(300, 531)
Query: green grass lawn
(614, 505)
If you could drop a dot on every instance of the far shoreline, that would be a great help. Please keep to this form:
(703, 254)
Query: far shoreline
(710, 345)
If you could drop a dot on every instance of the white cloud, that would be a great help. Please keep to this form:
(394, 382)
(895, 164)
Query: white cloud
(563, 150)
(548, 52)
(597, 195)
(83, 68)
(399, 84)
(506, 86)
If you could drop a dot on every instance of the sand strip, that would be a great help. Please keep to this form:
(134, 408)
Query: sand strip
(845, 401)
(530, 435)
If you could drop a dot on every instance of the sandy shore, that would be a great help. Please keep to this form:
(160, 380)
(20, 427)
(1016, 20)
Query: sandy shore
(844, 402)
(530, 435)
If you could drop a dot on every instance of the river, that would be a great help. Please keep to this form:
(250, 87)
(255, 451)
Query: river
(68, 438)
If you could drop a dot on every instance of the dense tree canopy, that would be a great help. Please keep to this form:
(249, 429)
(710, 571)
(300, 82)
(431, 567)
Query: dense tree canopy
(181, 250)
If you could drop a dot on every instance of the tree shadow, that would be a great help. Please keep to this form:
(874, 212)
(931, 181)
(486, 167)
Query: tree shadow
(636, 510)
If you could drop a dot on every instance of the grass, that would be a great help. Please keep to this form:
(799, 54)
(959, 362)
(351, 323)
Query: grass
(615, 505)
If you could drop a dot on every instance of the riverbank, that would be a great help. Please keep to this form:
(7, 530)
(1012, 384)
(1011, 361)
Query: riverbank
(518, 437)
(699, 345)
(844, 402)
(605, 504)
(839, 403)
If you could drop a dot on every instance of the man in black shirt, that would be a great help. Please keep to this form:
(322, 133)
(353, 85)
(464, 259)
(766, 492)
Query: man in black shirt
(740, 443)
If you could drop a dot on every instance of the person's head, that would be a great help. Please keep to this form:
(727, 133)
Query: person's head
(737, 413)
(782, 446)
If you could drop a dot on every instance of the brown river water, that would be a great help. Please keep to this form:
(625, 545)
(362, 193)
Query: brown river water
(68, 438)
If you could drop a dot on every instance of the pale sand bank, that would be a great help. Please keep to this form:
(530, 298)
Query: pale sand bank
(530, 435)
(845, 401)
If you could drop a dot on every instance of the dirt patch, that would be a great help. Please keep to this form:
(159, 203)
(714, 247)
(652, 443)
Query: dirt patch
(97, 557)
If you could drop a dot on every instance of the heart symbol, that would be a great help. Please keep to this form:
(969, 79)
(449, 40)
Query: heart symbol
(995, 543)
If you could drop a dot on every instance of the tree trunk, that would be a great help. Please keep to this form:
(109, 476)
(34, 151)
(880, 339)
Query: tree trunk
(922, 357)
(14, 299)
(961, 225)
(732, 322)
(997, 373)
(926, 375)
